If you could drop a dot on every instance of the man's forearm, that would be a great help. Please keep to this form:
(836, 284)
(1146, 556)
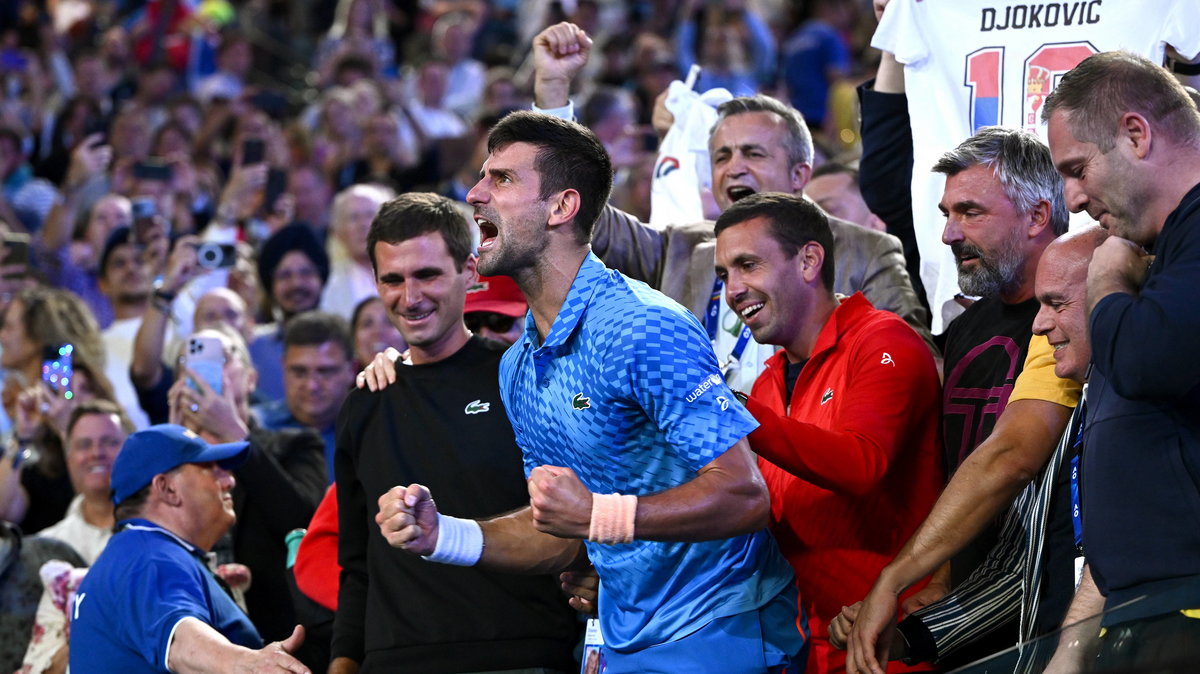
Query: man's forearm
(1077, 639)
(726, 498)
(551, 92)
(889, 79)
(1087, 601)
(983, 486)
(198, 648)
(145, 368)
(56, 230)
(511, 543)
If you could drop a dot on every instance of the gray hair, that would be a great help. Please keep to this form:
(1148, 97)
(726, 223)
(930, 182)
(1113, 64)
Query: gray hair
(798, 143)
(378, 194)
(1022, 164)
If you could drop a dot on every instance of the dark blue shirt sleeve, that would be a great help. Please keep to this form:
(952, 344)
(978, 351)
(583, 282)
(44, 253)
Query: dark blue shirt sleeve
(1145, 345)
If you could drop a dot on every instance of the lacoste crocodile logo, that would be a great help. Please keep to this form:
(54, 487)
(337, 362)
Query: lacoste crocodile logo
(477, 407)
(581, 403)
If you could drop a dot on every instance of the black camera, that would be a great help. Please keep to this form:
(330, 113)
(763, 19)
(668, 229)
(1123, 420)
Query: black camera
(216, 255)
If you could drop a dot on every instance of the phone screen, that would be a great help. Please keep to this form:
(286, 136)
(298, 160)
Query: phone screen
(58, 369)
(15, 252)
(276, 185)
(152, 169)
(144, 210)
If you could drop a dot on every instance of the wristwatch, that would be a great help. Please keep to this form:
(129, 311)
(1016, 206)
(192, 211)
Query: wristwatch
(162, 298)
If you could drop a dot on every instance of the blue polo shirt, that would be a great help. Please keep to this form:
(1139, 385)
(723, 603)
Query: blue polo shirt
(626, 392)
(145, 582)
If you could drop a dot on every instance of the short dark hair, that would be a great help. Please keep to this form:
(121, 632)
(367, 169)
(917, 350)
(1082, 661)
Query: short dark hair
(1105, 86)
(102, 407)
(121, 236)
(794, 221)
(359, 309)
(10, 134)
(353, 62)
(569, 156)
(314, 328)
(415, 213)
(229, 37)
(799, 140)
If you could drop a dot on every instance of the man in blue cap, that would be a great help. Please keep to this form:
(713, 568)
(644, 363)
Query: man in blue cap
(151, 602)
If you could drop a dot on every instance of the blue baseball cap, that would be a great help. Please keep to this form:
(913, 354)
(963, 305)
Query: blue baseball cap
(161, 448)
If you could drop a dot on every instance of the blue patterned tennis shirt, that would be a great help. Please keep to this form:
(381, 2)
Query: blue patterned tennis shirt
(626, 392)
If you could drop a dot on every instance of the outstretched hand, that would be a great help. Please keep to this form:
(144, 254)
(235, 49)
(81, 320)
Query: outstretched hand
(277, 656)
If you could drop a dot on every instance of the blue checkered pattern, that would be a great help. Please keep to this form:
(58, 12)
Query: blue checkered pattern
(626, 392)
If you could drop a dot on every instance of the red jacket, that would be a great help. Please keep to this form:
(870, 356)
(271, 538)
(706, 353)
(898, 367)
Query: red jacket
(318, 574)
(855, 464)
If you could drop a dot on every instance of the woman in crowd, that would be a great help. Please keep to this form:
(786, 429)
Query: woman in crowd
(372, 331)
(35, 489)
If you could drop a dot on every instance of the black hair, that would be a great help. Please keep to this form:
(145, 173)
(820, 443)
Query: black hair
(794, 221)
(569, 156)
(415, 213)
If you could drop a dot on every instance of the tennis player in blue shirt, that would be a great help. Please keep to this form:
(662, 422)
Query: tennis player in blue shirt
(634, 447)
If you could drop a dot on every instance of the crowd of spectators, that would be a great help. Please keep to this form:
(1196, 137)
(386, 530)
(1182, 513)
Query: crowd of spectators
(177, 172)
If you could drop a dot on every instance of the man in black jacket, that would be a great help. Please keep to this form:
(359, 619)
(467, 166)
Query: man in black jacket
(440, 423)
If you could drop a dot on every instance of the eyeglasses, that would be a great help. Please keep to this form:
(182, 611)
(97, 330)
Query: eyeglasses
(498, 323)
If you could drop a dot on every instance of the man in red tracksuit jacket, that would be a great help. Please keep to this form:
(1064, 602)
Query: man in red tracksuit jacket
(849, 442)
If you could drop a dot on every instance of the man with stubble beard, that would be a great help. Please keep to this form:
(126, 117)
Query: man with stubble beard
(758, 144)
(635, 449)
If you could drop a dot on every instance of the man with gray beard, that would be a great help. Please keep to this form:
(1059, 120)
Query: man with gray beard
(1003, 205)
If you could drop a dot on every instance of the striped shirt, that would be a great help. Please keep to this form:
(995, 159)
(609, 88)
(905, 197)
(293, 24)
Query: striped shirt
(1008, 584)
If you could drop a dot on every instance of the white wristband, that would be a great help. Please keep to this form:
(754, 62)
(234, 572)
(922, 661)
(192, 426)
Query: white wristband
(460, 542)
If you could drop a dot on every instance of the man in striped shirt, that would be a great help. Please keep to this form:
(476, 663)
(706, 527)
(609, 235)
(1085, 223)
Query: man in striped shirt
(1029, 573)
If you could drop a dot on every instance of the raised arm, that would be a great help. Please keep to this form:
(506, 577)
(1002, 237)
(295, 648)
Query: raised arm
(559, 52)
(621, 240)
(89, 160)
(146, 367)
